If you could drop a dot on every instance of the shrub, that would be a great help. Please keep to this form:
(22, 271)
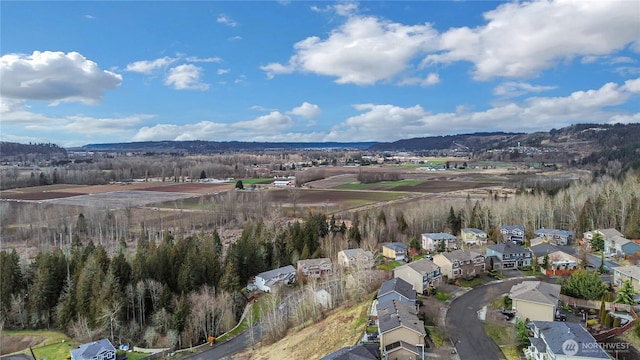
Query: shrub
(592, 322)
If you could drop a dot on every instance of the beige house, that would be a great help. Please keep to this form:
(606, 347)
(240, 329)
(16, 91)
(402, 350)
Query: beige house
(402, 334)
(421, 274)
(623, 273)
(395, 251)
(535, 300)
(314, 268)
(355, 258)
(473, 236)
(460, 264)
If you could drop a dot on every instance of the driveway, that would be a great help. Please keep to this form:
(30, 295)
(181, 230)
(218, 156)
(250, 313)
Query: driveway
(464, 327)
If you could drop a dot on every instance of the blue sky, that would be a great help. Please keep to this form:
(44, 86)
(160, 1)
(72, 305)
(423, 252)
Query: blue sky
(81, 72)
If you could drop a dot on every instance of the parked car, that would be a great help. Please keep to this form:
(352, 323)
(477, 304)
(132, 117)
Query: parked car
(561, 317)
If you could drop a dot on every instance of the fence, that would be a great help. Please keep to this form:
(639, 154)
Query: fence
(593, 304)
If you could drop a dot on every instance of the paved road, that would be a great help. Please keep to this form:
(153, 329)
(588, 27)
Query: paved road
(464, 327)
(226, 349)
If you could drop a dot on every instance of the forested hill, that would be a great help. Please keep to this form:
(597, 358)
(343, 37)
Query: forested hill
(205, 147)
(467, 142)
(10, 151)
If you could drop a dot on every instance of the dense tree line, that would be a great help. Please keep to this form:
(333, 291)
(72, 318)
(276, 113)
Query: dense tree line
(186, 288)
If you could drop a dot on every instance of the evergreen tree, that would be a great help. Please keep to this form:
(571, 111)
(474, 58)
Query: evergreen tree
(626, 293)
(584, 285)
(11, 278)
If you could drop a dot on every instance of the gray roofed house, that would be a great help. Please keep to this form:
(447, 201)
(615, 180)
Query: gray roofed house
(535, 300)
(395, 251)
(542, 249)
(511, 255)
(431, 241)
(513, 233)
(555, 236)
(397, 289)
(460, 263)
(315, 268)
(358, 352)
(401, 332)
(355, 258)
(265, 281)
(97, 350)
(420, 274)
(564, 340)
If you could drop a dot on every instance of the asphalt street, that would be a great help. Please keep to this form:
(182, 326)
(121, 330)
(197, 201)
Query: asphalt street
(225, 350)
(464, 327)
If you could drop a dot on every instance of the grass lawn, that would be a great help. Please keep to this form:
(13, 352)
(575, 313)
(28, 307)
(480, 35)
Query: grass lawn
(505, 337)
(436, 335)
(472, 283)
(442, 296)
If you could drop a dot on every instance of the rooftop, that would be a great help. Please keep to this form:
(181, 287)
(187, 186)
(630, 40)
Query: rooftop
(90, 350)
(629, 270)
(399, 286)
(556, 333)
(473, 230)
(393, 314)
(358, 352)
(396, 246)
(315, 262)
(540, 250)
(439, 236)
(422, 266)
(554, 232)
(460, 255)
(536, 291)
(508, 248)
(283, 271)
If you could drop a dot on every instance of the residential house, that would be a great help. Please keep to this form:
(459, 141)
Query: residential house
(473, 236)
(396, 251)
(355, 258)
(97, 350)
(555, 236)
(315, 268)
(559, 261)
(397, 289)
(402, 334)
(514, 233)
(535, 300)
(623, 273)
(620, 246)
(509, 255)
(421, 274)
(432, 241)
(606, 234)
(357, 352)
(267, 281)
(464, 264)
(562, 340)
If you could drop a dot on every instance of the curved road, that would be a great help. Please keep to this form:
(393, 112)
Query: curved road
(464, 327)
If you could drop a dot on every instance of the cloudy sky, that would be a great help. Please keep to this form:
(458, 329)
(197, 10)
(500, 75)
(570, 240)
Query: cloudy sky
(75, 73)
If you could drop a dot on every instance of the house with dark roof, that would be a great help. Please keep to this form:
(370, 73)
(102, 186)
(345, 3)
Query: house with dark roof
(509, 255)
(97, 350)
(431, 241)
(357, 352)
(402, 334)
(421, 274)
(535, 300)
(397, 289)
(562, 340)
(559, 261)
(268, 280)
(396, 251)
(555, 236)
(473, 236)
(514, 233)
(464, 264)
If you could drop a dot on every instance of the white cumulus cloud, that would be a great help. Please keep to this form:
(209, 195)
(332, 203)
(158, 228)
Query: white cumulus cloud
(521, 39)
(306, 110)
(55, 77)
(516, 88)
(185, 77)
(226, 20)
(363, 51)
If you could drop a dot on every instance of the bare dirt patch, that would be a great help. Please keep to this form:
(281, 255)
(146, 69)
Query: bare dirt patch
(195, 188)
(33, 196)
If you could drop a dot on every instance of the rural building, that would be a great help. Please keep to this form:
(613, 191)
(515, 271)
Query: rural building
(401, 332)
(268, 280)
(431, 241)
(514, 233)
(315, 268)
(396, 251)
(464, 264)
(535, 300)
(421, 274)
(283, 183)
(555, 236)
(623, 273)
(509, 255)
(473, 236)
(357, 352)
(97, 350)
(562, 340)
(397, 289)
(355, 258)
